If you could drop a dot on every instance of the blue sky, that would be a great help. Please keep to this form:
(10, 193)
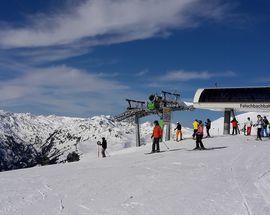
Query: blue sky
(84, 57)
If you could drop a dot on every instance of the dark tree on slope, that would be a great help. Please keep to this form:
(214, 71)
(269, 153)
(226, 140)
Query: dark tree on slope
(72, 157)
(15, 154)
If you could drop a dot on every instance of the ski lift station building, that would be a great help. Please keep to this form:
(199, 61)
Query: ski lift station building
(243, 99)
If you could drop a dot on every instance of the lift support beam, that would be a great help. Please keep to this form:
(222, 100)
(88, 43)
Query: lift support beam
(138, 109)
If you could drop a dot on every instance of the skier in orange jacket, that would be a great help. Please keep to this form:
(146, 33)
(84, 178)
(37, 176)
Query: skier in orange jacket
(156, 135)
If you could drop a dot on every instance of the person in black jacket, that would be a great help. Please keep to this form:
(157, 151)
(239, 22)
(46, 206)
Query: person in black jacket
(264, 127)
(104, 146)
(208, 126)
(178, 131)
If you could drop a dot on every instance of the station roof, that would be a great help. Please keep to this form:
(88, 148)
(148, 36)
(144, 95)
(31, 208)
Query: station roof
(238, 98)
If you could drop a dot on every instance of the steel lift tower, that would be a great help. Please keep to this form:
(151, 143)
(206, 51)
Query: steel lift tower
(164, 105)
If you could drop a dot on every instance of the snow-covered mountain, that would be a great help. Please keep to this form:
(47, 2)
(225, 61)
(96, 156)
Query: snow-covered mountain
(26, 139)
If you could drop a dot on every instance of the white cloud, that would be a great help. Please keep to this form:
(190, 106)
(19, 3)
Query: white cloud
(182, 75)
(110, 21)
(47, 38)
(142, 73)
(62, 89)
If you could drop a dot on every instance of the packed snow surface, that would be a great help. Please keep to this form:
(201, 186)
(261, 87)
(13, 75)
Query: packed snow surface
(232, 177)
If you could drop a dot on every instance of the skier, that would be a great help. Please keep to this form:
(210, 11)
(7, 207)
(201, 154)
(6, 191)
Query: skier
(235, 126)
(161, 124)
(199, 136)
(104, 146)
(208, 126)
(248, 125)
(156, 135)
(259, 125)
(195, 128)
(264, 127)
(178, 131)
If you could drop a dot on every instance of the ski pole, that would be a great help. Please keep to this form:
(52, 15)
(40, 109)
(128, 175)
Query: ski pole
(108, 153)
(166, 145)
(98, 144)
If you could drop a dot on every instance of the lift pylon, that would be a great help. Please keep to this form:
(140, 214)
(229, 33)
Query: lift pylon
(139, 109)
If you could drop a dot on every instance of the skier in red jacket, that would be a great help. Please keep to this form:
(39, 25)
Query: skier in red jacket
(235, 126)
(157, 134)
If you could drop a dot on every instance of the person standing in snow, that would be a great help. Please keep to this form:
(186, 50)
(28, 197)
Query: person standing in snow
(248, 126)
(103, 144)
(161, 124)
(178, 131)
(264, 127)
(199, 136)
(208, 126)
(235, 126)
(156, 135)
(259, 125)
(195, 128)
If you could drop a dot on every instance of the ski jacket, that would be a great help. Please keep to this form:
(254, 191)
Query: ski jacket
(234, 123)
(200, 130)
(208, 124)
(259, 123)
(178, 127)
(104, 144)
(195, 125)
(265, 123)
(161, 123)
(157, 132)
(248, 123)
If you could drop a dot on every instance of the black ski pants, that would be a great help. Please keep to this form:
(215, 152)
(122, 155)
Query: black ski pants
(234, 131)
(194, 133)
(259, 133)
(207, 131)
(155, 145)
(103, 152)
(199, 143)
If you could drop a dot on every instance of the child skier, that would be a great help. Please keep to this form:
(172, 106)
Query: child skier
(248, 126)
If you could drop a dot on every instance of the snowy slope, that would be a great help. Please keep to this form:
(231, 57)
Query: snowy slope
(232, 178)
